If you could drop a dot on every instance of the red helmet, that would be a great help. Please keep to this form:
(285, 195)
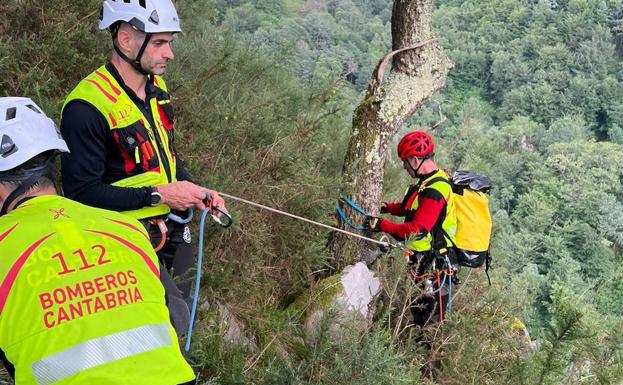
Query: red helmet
(416, 143)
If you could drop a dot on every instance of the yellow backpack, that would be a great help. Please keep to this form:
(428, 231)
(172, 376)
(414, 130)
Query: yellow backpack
(474, 225)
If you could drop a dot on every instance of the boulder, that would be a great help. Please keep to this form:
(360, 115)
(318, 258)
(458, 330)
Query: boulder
(347, 297)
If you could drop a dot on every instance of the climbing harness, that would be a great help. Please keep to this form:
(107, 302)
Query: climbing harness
(447, 281)
(162, 226)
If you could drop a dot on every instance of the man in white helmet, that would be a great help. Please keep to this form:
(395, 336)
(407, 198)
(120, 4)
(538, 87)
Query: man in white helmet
(80, 296)
(118, 123)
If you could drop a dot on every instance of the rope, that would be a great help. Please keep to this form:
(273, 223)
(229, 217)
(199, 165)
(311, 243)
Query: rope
(354, 205)
(163, 233)
(450, 297)
(180, 220)
(440, 297)
(443, 283)
(193, 310)
(387, 244)
(204, 215)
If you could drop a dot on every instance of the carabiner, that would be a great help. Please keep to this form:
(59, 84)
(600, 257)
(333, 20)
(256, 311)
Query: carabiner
(219, 219)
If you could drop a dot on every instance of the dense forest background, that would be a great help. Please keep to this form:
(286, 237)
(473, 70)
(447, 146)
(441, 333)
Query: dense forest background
(264, 92)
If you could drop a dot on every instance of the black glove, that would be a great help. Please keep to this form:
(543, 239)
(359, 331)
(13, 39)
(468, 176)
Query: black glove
(384, 209)
(372, 224)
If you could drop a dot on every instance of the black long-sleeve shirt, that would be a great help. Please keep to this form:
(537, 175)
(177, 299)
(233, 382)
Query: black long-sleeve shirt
(95, 162)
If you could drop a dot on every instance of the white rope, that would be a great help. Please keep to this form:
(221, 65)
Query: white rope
(387, 244)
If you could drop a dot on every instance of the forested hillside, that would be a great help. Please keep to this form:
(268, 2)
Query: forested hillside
(264, 91)
(535, 101)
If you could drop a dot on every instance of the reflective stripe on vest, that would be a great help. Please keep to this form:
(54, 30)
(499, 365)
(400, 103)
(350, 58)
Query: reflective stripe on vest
(102, 91)
(449, 223)
(100, 351)
(9, 280)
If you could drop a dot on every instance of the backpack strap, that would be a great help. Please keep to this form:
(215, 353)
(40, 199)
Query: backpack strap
(487, 256)
(414, 188)
(487, 265)
(438, 179)
(436, 242)
(408, 199)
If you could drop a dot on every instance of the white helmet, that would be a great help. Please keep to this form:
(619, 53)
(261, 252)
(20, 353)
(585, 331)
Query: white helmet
(149, 16)
(25, 132)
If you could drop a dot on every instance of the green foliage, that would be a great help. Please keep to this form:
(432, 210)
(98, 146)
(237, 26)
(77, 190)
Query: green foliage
(566, 328)
(543, 60)
(534, 102)
(534, 86)
(351, 359)
(47, 47)
(535, 83)
(264, 92)
(316, 40)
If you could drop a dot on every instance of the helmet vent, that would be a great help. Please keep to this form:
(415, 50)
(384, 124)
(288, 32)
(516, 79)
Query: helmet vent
(10, 113)
(142, 3)
(35, 109)
(154, 18)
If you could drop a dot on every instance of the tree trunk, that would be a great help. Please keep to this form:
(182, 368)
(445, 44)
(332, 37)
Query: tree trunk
(419, 69)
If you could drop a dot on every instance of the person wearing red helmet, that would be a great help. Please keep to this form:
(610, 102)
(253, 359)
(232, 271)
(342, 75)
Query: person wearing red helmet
(429, 220)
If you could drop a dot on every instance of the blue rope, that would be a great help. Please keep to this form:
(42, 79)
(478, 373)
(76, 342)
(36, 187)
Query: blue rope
(180, 220)
(443, 282)
(450, 297)
(342, 215)
(193, 310)
(355, 207)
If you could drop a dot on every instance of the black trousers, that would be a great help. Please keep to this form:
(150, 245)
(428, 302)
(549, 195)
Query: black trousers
(427, 307)
(176, 260)
(177, 255)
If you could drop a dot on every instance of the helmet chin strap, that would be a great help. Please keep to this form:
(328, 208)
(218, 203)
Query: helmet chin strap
(415, 171)
(136, 63)
(34, 174)
(21, 189)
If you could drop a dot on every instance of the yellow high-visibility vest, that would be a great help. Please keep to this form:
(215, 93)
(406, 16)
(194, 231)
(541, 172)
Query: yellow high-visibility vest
(449, 223)
(102, 91)
(81, 300)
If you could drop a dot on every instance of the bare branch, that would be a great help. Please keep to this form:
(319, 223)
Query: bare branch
(379, 71)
